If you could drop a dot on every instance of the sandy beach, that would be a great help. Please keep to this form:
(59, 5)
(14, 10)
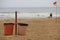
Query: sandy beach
(38, 29)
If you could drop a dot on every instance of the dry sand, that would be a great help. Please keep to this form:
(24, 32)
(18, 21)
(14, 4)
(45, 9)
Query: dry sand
(38, 29)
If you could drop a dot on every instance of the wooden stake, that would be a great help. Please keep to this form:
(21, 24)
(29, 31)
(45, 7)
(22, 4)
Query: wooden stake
(15, 22)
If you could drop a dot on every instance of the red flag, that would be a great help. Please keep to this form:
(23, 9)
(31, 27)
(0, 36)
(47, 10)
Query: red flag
(55, 3)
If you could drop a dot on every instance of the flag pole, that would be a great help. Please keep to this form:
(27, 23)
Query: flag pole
(56, 12)
(55, 4)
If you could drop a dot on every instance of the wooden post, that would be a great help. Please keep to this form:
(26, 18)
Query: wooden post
(15, 22)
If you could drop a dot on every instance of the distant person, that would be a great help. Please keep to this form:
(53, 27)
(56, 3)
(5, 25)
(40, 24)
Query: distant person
(51, 15)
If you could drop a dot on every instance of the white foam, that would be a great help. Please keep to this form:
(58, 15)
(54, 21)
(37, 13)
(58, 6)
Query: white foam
(27, 15)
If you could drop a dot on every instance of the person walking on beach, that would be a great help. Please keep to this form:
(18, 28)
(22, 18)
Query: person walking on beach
(51, 15)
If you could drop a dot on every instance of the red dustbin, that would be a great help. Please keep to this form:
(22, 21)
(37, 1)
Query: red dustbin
(22, 27)
(8, 28)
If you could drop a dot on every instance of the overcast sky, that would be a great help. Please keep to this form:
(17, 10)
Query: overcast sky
(27, 3)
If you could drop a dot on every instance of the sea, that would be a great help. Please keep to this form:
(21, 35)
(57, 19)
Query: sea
(30, 12)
